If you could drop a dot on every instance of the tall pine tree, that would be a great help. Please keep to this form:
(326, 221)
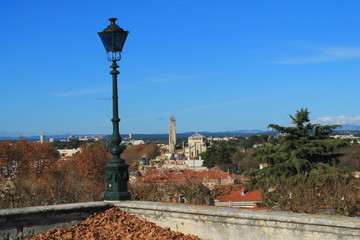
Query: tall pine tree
(299, 170)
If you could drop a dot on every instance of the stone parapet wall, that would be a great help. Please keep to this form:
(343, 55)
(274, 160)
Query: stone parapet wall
(227, 223)
(19, 223)
(206, 222)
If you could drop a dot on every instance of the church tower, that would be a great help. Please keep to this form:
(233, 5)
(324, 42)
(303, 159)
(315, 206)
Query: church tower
(172, 134)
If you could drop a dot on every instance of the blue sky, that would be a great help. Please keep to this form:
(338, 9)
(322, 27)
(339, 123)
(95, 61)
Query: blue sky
(216, 65)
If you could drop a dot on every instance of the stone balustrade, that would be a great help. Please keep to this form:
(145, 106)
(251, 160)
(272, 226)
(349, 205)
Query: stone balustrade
(205, 222)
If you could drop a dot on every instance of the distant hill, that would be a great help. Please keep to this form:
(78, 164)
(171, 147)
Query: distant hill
(56, 137)
(143, 136)
(349, 128)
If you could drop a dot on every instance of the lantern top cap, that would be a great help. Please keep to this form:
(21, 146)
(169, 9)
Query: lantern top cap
(113, 27)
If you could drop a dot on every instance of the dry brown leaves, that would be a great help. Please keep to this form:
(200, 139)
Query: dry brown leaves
(114, 224)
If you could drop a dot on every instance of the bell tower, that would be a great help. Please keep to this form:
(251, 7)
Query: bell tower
(172, 134)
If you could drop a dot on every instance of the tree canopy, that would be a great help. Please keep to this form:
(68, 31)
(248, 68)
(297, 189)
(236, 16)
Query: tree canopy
(303, 161)
(218, 154)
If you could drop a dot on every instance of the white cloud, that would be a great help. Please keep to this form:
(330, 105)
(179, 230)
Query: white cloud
(339, 120)
(80, 92)
(325, 54)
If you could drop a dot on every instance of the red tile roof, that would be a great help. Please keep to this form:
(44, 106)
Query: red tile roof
(240, 196)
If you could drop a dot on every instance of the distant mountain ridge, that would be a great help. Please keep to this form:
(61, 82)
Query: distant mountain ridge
(349, 128)
(154, 135)
(165, 135)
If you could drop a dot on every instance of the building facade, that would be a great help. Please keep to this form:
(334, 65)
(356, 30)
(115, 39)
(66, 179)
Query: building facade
(197, 144)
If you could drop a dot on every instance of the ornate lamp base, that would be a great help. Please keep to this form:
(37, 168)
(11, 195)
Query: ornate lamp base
(117, 177)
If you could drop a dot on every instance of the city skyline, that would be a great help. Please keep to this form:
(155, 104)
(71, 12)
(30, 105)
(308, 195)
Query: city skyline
(216, 66)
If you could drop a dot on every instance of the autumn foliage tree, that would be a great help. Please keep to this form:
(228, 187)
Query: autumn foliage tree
(7, 159)
(36, 175)
(26, 159)
(26, 166)
(135, 152)
(89, 165)
(351, 157)
(155, 186)
(81, 178)
(33, 173)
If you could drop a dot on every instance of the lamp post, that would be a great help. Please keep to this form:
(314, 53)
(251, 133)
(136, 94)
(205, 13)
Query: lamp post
(113, 37)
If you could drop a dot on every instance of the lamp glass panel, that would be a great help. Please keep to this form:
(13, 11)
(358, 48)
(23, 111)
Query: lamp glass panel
(113, 41)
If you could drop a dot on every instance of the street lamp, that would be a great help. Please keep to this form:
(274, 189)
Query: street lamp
(113, 37)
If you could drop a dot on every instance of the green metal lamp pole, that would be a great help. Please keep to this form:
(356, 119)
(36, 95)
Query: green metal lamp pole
(117, 176)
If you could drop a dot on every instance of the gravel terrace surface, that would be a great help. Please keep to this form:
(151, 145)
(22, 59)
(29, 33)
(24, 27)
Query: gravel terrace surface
(114, 224)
